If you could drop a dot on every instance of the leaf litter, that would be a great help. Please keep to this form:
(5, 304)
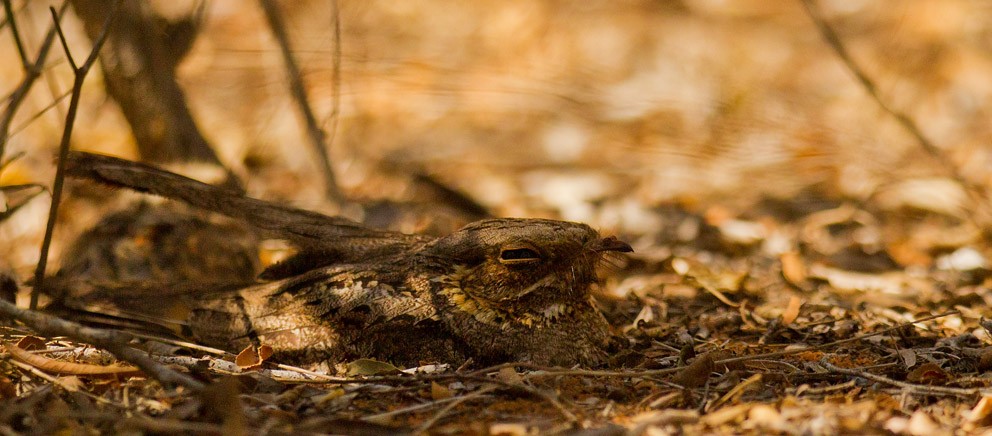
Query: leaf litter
(856, 305)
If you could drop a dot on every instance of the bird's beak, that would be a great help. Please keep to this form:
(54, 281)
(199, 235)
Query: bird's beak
(609, 243)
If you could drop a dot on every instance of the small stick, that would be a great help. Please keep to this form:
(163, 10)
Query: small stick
(79, 74)
(302, 226)
(318, 138)
(114, 342)
(32, 70)
(976, 192)
(62, 384)
(451, 405)
(920, 389)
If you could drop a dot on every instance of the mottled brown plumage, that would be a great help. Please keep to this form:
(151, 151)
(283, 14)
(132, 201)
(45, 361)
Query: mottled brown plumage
(495, 290)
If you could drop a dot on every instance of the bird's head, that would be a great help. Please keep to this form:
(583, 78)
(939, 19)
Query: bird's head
(516, 267)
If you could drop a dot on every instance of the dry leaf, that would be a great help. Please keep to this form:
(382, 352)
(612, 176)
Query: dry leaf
(908, 357)
(7, 388)
(928, 373)
(981, 411)
(765, 417)
(68, 368)
(222, 401)
(793, 268)
(697, 373)
(71, 383)
(508, 429)
(792, 310)
(440, 392)
(31, 343)
(252, 358)
(727, 415)
(509, 375)
(370, 367)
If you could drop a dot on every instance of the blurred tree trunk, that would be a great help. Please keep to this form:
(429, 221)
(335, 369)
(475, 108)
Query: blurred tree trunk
(139, 62)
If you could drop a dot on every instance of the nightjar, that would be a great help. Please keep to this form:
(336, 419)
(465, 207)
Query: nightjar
(496, 290)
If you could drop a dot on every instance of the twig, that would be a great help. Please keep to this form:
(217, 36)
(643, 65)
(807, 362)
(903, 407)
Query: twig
(800, 392)
(79, 74)
(67, 368)
(426, 425)
(12, 209)
(835, 343)
(977, 192)
(113, 342)
(60, 383)
(915, 388)
(400, 411)
(173, 426)
(336, 79)
(307, 228)
(32, 70)
(543, 371)
(227, 367)
(316, 376)
(16, 34)
(54, 104)
(318, 138)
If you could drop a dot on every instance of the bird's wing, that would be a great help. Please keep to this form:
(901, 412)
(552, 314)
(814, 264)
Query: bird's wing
(316, 310)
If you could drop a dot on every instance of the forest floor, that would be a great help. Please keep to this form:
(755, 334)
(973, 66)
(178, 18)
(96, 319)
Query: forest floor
(804, 262)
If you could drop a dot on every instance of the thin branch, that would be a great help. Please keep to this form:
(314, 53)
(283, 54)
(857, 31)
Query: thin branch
(409, 409)
(70, 119)
(543, 371)
(114, 342)
(65, 44)
(336, 79)
(426, 425)
(11, 210)
(915, 388)
(16, 34)
(318, 138)
(977, 192)
(31, 73)
(54, 104)
(60, 382)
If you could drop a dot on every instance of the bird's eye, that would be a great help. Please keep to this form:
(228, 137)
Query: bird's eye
(519, 256)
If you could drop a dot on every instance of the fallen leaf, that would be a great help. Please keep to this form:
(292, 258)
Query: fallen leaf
(370, 367)
(981, 411)
(509, 375)
(440, 392)
(252, 357)
(793, 268)
(31, 343)
(508, 429)
(792, 310)
(928, 373)
(7, 388)
(921, 424)
(697, 373)
(68, 368)
(908, 357)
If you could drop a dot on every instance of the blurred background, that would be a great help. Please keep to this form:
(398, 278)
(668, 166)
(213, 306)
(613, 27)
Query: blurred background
(607, 112)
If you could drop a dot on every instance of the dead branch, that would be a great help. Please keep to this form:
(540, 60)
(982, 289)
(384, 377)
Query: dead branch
(913, 388)
(304, 227)
(79, 73)
(975, 191)
(114, 342)
(139, 65)
(318, 138)
(67, 368)
(32, 70)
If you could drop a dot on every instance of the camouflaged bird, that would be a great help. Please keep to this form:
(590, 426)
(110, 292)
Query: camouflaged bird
(495, 290)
